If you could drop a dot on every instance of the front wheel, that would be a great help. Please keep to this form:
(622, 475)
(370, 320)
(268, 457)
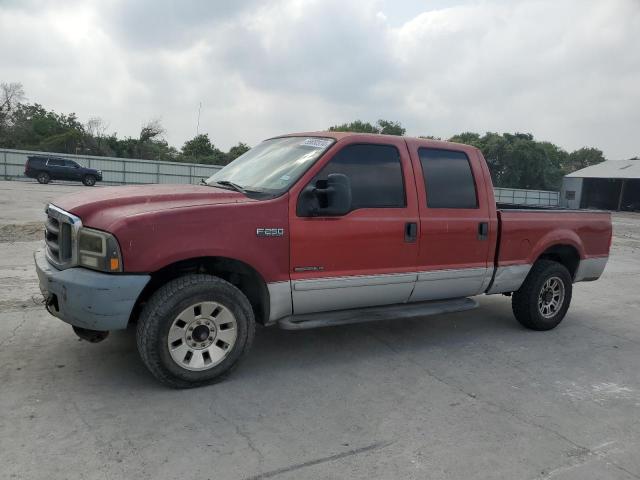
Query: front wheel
(194, 330)
(89, 180)
(543, 299)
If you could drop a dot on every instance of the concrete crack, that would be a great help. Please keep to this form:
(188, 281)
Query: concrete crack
(13, 333)
(242, 433)
(318, 461)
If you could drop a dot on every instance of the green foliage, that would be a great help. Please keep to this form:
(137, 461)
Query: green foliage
(385, 127)
(516, 160)
(236, 151)
(390, 128)
(198, 146)
(33, 127)
(584, 157)
(519, 161)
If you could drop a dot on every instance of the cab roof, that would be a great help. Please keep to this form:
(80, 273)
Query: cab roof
(364, 136)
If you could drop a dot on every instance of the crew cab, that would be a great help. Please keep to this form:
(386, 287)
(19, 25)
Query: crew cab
(47, 168)
(306, 230)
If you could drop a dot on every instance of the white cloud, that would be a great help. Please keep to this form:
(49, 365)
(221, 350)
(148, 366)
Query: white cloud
(566, 71)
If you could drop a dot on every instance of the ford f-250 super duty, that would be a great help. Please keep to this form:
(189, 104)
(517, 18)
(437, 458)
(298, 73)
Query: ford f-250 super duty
(302, 231)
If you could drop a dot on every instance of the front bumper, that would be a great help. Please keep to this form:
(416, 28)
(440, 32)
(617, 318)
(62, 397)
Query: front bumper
(88, 299)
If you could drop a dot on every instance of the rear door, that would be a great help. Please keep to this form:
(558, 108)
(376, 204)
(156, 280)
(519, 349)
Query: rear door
(366, 257)
(455, 238)
(57, 169)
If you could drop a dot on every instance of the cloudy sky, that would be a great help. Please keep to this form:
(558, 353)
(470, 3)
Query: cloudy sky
(567, 71)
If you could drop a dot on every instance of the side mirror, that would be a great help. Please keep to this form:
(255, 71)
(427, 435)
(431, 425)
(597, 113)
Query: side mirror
(330, 197)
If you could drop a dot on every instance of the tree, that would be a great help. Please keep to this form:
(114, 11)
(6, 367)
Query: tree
(386, 127)
(236, 151)
(11, 94)
(200, 149)
(96, 127)
(583, 158)
(152, 130)
(517, 160)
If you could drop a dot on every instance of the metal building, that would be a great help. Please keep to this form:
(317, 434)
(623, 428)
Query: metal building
(610, 185)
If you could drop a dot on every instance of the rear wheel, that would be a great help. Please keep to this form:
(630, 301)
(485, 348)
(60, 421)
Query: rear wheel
(544, 298)
(89, 180)
(43, 178)
(194, 330)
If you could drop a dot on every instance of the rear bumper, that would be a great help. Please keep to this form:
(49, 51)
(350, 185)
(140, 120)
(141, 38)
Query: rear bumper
(88, 299)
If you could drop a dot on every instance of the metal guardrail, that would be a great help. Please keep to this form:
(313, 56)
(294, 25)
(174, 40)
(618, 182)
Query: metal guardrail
(116, 171)
(517, 196)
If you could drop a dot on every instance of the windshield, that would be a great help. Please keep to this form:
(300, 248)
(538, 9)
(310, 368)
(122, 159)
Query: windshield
(272, 166)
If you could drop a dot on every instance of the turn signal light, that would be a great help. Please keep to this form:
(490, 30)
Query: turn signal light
(114, 264)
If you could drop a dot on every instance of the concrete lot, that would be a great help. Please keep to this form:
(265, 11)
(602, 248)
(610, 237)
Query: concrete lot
(459, 396)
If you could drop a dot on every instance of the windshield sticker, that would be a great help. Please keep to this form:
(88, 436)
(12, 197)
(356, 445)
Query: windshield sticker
(316, 143)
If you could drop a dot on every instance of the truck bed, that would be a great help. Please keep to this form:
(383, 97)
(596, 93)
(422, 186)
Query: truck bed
(525, 232)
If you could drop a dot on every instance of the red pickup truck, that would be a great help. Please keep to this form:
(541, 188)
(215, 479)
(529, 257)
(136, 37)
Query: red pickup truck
(306, 230)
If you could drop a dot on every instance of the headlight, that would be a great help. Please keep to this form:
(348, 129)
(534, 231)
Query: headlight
(98, 250)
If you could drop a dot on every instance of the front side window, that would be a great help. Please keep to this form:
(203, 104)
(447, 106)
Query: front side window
(448, 179)
(272, 166)
(375, 174)
(70, 163)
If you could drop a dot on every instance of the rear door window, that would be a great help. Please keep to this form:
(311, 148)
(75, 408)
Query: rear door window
(448, 178)
(55, 162)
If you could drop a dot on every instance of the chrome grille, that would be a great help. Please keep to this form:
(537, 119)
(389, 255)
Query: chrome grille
(59, 236)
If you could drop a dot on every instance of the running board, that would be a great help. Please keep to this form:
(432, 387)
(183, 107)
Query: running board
(359, 315)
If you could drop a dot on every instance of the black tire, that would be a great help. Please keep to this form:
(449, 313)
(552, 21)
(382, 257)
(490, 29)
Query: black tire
(525, 302)
(43, 178)
(163, 308)
(89, 180)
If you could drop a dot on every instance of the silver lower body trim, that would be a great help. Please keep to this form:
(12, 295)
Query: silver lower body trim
(279, 300)
(441, 284)
(327, 294)
(509, 279)
(590, 269)
(339, 293)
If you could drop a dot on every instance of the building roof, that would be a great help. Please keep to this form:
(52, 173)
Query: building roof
(610, 169)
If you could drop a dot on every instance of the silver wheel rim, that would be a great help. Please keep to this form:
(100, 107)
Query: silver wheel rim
(551, 297)
(202, 336)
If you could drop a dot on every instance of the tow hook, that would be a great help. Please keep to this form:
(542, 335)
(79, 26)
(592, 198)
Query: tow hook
(91, 336)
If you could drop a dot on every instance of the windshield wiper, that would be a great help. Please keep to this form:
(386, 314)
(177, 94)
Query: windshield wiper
(234, 186)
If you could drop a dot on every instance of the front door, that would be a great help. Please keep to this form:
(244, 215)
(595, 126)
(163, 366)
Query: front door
(73, 170)
(366, 257)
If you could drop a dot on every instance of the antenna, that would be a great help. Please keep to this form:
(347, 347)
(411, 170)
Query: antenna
(198, 125)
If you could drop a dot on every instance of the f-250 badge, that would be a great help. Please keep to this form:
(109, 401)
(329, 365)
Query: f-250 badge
(270, 232)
